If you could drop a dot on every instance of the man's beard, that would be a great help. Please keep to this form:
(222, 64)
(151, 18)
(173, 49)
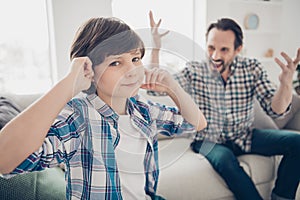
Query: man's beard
(224, 67)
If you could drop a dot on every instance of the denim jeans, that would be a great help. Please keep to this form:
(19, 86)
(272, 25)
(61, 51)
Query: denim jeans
(223, 158)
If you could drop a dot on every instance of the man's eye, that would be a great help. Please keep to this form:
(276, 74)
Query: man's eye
(136, 59)
(210, 48)
(114, 63)
(225, 50)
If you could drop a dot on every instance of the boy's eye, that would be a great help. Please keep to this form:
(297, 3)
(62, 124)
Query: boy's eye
(136, 59)
(116, 63)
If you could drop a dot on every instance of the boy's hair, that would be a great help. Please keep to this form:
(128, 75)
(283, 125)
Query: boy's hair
(101, 37)
(226, 24)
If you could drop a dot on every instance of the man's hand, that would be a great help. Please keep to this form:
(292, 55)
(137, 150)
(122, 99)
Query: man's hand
(154, 30)
(288, 70)
(284, 93)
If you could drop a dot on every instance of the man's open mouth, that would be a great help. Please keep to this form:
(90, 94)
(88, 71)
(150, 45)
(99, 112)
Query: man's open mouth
(217, 64)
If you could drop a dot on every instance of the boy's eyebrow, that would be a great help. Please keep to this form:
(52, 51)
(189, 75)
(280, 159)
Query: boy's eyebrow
(114, 56)
(133, 52)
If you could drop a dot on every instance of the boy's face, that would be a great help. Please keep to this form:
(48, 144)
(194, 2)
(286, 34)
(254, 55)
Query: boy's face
(119, 76)
(220, 49)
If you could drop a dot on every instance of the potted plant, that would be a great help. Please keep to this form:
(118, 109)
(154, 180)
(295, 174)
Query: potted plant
(296, 83)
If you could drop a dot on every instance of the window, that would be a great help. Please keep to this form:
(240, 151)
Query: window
(24, 47)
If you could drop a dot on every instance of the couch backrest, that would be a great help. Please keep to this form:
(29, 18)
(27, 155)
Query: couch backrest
(261, 119)
(289, 121)
(22, 101)
(292, 119)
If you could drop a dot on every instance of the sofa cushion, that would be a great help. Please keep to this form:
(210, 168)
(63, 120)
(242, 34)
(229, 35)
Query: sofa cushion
(260, 168)
(187, 175)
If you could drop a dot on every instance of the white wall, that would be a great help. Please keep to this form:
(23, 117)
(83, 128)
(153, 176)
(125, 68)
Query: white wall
(279, 28)
(66, 17)
(290, 40)
(290, 28)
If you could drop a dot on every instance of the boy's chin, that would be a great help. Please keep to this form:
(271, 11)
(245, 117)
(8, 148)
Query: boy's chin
(128, 94)
(134, 92)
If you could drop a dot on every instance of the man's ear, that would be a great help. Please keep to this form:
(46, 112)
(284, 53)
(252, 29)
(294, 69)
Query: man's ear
(238, 50)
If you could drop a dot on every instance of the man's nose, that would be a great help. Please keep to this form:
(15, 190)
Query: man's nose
(215, 55)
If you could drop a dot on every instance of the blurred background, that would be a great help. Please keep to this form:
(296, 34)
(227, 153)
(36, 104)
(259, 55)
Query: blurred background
(36, 35)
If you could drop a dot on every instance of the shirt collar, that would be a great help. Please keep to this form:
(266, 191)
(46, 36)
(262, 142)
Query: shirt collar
(131, 107)
(101, 106)
(140, 118)
(234, 63)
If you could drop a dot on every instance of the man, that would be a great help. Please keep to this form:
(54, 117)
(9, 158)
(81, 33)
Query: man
(227, 103)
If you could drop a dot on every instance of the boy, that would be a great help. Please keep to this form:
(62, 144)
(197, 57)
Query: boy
(106, 138)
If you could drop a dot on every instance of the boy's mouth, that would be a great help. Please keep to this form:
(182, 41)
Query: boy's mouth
(130, 84)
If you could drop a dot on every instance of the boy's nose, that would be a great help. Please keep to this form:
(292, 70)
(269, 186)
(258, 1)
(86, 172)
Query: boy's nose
(131, 70)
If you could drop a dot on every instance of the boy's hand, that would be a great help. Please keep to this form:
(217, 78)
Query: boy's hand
(158, 80)
(82, 74)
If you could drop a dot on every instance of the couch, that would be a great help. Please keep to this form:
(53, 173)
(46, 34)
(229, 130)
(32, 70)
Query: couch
(183, 174)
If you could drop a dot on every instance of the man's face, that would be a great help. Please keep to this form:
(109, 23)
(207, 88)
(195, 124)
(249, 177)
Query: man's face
(220, 49)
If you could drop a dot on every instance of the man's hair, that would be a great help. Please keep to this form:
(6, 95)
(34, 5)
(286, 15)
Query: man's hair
(226, 24)
(101, 37)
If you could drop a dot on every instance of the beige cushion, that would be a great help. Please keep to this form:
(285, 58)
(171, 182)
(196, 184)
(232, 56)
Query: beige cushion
(187, 175)
(261, 119)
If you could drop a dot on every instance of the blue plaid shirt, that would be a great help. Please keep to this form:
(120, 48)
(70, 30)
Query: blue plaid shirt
(228, 106)
(84, 137)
